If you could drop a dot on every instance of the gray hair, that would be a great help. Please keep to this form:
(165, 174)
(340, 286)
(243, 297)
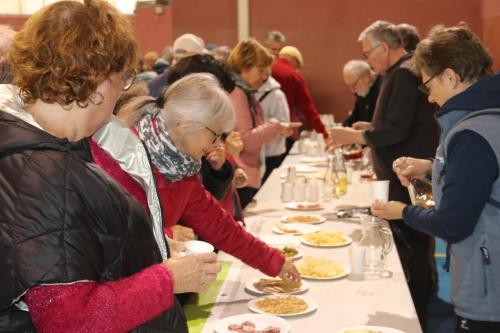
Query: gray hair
(6, 37)
(192, 103)
(357, 68)
(199, 100)
(382, 32)
(275, 35)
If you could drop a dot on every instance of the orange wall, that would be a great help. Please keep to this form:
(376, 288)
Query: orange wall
(153, 31)
(214, 21)
(324, 30)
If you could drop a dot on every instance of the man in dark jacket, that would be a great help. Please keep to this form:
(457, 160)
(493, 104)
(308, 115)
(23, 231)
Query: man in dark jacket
(403, 125)
(365, 84)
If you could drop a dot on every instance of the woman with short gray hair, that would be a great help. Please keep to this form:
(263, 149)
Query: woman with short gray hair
(197, 112)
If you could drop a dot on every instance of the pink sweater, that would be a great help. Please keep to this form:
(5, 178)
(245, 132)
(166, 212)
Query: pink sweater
(254, 137)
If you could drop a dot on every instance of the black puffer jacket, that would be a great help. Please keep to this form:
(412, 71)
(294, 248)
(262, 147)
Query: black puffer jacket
(62, 219)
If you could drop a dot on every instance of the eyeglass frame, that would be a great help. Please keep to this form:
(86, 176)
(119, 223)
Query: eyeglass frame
(367, 53)
(217, 137)
(423, 87)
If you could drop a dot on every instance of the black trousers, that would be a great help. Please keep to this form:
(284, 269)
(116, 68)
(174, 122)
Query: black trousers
(272, 162)
(246, 195)
(474, 326)
(414, 252)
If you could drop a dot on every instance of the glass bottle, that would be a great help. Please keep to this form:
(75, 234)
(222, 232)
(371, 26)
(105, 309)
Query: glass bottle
(341, 174)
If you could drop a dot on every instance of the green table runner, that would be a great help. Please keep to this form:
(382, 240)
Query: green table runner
(200, 307)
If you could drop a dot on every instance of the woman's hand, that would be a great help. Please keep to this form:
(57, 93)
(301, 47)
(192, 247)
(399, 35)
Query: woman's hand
(240, 179)
(392, 210)
(182, 234)
(176, 247)
(192, 272)
(288, 128)
(289, 271)
(234, 144)
(408, 168)
(216, 156)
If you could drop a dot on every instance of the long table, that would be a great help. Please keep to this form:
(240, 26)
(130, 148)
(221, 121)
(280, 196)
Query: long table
(341, 303)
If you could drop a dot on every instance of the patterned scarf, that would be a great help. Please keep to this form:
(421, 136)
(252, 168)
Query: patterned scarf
(172, 163)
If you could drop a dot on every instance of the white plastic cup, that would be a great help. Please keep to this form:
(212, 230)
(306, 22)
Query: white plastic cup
(291, 175)
(195, 246)
(312, 190)
(380, 190)
(300, 190)
(287, 192)
(357, 260)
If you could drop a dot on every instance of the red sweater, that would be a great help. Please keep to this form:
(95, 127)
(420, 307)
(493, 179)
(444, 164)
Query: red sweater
(188, 201)
(298, 96)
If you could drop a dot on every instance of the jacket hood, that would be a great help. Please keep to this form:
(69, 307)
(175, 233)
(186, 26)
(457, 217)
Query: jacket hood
(483, 94)
(19, 131)
(270, 84)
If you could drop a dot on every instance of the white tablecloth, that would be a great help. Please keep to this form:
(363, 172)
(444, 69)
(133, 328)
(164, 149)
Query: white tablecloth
(342, 303)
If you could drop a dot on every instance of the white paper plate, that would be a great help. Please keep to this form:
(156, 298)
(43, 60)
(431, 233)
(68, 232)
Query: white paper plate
(321, 219)
(297, 206)
(312, 306)
(348, 241)
(249, 285)
(301, 229)
(280, 240)
(377, 329)
(299, 254)
(261, 322)
(346, 272)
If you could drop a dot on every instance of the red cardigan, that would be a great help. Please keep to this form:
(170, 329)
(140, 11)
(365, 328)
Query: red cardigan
(189, 202)
(298, 95)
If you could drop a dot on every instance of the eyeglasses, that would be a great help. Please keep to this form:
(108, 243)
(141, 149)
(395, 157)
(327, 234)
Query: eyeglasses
(128, 79)
(367, 53)
(424, 88)
(216, 136)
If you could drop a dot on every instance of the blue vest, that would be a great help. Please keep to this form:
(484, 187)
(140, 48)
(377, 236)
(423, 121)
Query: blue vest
(475, 261)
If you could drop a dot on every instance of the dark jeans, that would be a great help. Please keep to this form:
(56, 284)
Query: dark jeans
(473, 326)
(246, 195)
(414, 252)
(272, 162)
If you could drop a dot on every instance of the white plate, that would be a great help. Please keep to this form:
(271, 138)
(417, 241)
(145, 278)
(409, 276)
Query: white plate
(310, 159)
(299, 254)
(300, 228)
(280, 240)
(348, 241)
(294, 205)
(312, 306)
(249, 285)
(320, 218)
(377, 329)
(346, 272)
(261, 322)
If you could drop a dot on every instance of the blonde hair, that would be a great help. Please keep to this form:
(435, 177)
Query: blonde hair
(192, 103)
(247, 54)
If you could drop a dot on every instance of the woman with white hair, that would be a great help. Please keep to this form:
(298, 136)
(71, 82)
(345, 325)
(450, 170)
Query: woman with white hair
(197, 112)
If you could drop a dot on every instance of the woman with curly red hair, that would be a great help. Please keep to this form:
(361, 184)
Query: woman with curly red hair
(79, 254)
